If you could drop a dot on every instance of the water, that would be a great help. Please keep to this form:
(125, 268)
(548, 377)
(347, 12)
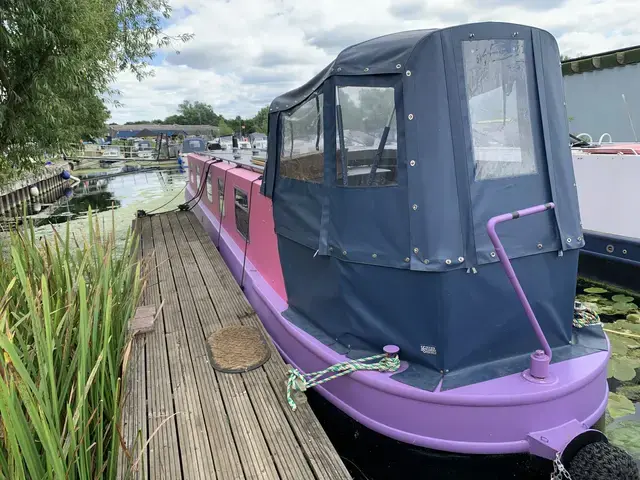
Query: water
(118, 198)
(113, 199)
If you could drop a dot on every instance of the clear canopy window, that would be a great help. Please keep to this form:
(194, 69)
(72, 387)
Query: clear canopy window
(301, 154)
(499, 114)
(367, 136)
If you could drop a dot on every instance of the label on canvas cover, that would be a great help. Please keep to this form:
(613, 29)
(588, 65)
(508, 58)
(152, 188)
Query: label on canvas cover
(428, 349)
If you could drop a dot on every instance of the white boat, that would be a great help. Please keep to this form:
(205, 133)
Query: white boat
(607, 174)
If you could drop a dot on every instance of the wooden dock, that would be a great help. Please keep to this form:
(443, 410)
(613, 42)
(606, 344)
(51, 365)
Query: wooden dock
(201, 423)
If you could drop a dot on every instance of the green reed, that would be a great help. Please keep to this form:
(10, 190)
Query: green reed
(65, 305)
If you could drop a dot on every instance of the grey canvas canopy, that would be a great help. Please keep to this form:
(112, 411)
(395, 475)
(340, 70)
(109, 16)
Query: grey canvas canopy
(384, 170)
(193, 144)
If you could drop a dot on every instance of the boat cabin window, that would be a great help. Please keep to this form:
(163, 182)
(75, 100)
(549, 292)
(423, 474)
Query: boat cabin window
(498, 101)
(210, 189)
(242, 212)
(301, 153)
(221, 196)
(367, 134)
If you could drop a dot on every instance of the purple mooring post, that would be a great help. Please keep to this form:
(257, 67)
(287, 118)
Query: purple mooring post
(540, 359)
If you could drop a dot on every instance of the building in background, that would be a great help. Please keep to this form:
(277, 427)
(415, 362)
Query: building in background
(127, 131)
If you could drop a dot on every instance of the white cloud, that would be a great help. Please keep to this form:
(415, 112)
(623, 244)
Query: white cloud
(246, 52)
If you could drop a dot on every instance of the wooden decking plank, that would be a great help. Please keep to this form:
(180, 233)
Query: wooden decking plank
(163, 452)
(195, 451)
(287, 454)
(233, 307)
(133, 419)
(221, 426)
(253, 447)
(198, 309)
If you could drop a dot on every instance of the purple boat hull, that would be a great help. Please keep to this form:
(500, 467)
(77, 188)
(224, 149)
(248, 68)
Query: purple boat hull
(504, 415)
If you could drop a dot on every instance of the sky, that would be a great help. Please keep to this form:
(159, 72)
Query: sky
(244, 53)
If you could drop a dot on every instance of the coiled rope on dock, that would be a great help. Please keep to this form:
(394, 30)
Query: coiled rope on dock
(300, 382)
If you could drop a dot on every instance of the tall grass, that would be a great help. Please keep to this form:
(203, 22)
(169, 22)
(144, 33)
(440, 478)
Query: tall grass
(64, 311)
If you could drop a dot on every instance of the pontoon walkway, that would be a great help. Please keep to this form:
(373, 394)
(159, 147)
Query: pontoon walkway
(207, 424)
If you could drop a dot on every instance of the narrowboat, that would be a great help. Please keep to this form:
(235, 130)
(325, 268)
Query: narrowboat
(606, 174)
(415, 261)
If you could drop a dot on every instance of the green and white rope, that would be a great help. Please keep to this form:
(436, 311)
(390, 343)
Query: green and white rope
(583, 315)
(300, 382)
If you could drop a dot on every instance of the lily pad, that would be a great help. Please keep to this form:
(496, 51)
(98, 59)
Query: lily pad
(622, 368)
(619, 344)
(620, 406)
(622, 299)
(623, 308)
(626, 326)
(607, 310)
(626, 434)
(634, 317)
(595, 290)
(590, 298)
(632, 392)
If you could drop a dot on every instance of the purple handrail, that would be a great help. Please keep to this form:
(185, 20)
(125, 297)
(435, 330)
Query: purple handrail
(511, 274)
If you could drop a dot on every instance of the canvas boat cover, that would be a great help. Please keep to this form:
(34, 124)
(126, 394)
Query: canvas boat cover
(384, 170)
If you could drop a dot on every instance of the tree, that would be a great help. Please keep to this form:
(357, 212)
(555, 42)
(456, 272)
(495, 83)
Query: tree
(261, 120)
(197, 113)
(223, 128)
(58, 60)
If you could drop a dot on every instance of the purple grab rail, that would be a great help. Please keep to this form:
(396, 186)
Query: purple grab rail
(539, 364)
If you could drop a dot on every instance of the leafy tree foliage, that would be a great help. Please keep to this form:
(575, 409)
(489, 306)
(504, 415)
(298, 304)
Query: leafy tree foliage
(57, 62)
(261, 119)
(200, 113)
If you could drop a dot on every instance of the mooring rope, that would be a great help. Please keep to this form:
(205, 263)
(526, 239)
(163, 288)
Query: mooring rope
(302, 381)
(584, 316)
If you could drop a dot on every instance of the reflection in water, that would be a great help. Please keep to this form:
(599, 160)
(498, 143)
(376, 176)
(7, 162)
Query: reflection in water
(115, 198)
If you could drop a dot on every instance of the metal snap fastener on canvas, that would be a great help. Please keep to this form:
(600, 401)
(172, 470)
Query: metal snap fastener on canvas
(448, 261)
(569, 240)
(412, 163)
(398, 66)
(624, 251)
(471, 35)
(375, 255)
(415, 207)
(415, 250)
(539, 246)
(408, 73)
(344, 252)
(339, 69)
(410, 116)
(515, 34)
(610, 248)
(407, 259)
(366, 69)
(492, 254)
(460, 259)
(425, 261)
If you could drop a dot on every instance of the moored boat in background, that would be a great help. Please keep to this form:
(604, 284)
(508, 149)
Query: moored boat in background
(607, 176)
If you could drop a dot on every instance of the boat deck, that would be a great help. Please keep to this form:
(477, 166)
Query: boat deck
(201, 423)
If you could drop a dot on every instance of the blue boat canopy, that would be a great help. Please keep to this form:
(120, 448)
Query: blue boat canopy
(194, 144)
(384, 170)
